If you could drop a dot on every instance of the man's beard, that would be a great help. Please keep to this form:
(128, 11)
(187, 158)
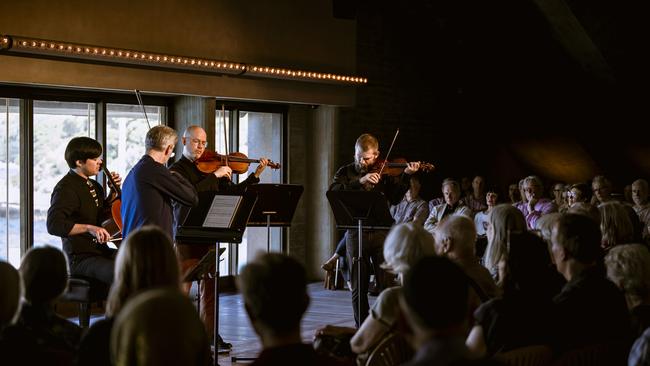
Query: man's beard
(361, 169)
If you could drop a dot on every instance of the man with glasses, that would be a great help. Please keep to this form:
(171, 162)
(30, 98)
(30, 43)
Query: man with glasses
(77, 209)
(536, 205)
(194, 144)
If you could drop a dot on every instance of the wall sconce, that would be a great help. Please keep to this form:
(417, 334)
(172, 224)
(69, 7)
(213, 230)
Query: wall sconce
(67, 50)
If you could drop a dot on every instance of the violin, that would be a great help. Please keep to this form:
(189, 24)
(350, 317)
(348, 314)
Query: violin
(114, 224)
(210, 161)
(395, 167)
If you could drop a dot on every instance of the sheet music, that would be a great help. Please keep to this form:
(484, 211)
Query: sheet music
(222, 211)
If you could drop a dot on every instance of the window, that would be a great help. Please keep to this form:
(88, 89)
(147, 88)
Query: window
(126, 128)
(55, 124)
(10, 176)
(256, 134)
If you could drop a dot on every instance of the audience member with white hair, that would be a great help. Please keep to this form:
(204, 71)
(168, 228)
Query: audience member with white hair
(503, 220)
(453, 206)
(642, 206)
(536, 206)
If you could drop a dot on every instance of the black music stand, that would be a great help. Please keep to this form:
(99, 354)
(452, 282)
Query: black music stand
(275, 206)
(200, 270)
(218, 218)
(360, 210)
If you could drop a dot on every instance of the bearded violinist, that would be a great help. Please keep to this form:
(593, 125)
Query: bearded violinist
(362, 175)
(194, 145)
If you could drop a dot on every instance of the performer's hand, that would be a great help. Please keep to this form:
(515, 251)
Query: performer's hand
(412, 167)
(117, 179)
(224, 171)
(99, 233)
(260, 168)
(372, 178)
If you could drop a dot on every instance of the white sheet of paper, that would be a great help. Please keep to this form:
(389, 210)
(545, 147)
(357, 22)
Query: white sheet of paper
(222, 211)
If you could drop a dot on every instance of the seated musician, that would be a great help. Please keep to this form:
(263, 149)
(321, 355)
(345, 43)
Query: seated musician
(77, 209)
(194, 145)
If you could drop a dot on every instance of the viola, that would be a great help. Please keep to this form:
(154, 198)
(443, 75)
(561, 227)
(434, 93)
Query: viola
(114, 224)
(210, 161)
(395, 167)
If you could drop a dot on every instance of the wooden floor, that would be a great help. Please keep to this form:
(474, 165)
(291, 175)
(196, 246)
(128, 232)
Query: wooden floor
(326, 307)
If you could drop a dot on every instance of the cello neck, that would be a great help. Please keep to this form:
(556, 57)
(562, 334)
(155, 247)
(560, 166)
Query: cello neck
(111, 182)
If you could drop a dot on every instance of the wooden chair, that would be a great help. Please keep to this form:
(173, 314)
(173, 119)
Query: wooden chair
(604, 354)
(392, 350)
(538, 355)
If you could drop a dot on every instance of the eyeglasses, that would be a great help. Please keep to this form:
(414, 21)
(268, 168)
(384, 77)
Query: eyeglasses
(199, 142)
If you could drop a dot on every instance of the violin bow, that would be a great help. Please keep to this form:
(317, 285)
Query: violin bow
(225, 131)
(137, 95)
(389, 150)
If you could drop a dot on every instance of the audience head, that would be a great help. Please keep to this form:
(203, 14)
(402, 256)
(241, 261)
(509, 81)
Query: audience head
(159, 327)
(640, 192)
(80, 149)
(602, 188)
(478, 184)
(491, 197)
(544, 225)
(616, 225)
(524, 270)
(513, 193)
(585, 209)
(274, 290)
(575, 238)
(12, 290)
(404, 245)
(502, 220)
(628, 266)
(145, 260)
(44, 271)
(435, 296)
(415, 185)
(456, 237)
(533, 187)
(451, 191)
(366, 151)
(558, 192)
(579, 192)
(161, 139)
(522, 191)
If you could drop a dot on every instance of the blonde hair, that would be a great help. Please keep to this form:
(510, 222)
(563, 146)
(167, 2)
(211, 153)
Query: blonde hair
(405, 244)
(145, 260)
(615, 224)
(628, 266)
(364, 143)
(504, 219)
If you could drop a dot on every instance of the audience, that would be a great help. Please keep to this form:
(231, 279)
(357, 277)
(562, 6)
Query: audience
(434, 303)
(521, 315)
(616, 225)
(159, 327)
(274, 290)
(628, 266)
(412, 207)
(502, 221)
(145, 260)
(590, 309)
(602, 188)
(535, 205)
(452, 206)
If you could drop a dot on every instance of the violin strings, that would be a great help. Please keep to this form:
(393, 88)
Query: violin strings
(388, 154)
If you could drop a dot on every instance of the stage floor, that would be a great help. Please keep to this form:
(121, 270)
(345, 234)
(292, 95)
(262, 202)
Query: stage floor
(326, 307)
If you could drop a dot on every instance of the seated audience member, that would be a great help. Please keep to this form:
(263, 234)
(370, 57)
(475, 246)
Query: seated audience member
(628, 266)
(16, 347)
(274, 290)
(590, 309)
(44, 271)
(434, 303)
(480, 218)
(559, 191)
(536, 206)
(641, 205)
(640, 353)
(502, 221)
(602, 188)
(159, 327)
(146, 260)
(513, 193)
(579, 192)
(412, 207)
(404, 245)
(616, 225)
(520, 316)
(585, 209)
(452, 206)
(455, 240)
(476, 199)
(522, 195)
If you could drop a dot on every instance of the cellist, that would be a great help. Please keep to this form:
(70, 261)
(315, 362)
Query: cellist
(194, 145)
(78, 206)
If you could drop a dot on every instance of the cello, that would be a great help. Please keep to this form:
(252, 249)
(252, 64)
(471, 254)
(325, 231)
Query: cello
(114, 224)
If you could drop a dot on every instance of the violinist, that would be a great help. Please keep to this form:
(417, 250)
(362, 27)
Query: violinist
(78, 206)
(363, 174)
(194, 145)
